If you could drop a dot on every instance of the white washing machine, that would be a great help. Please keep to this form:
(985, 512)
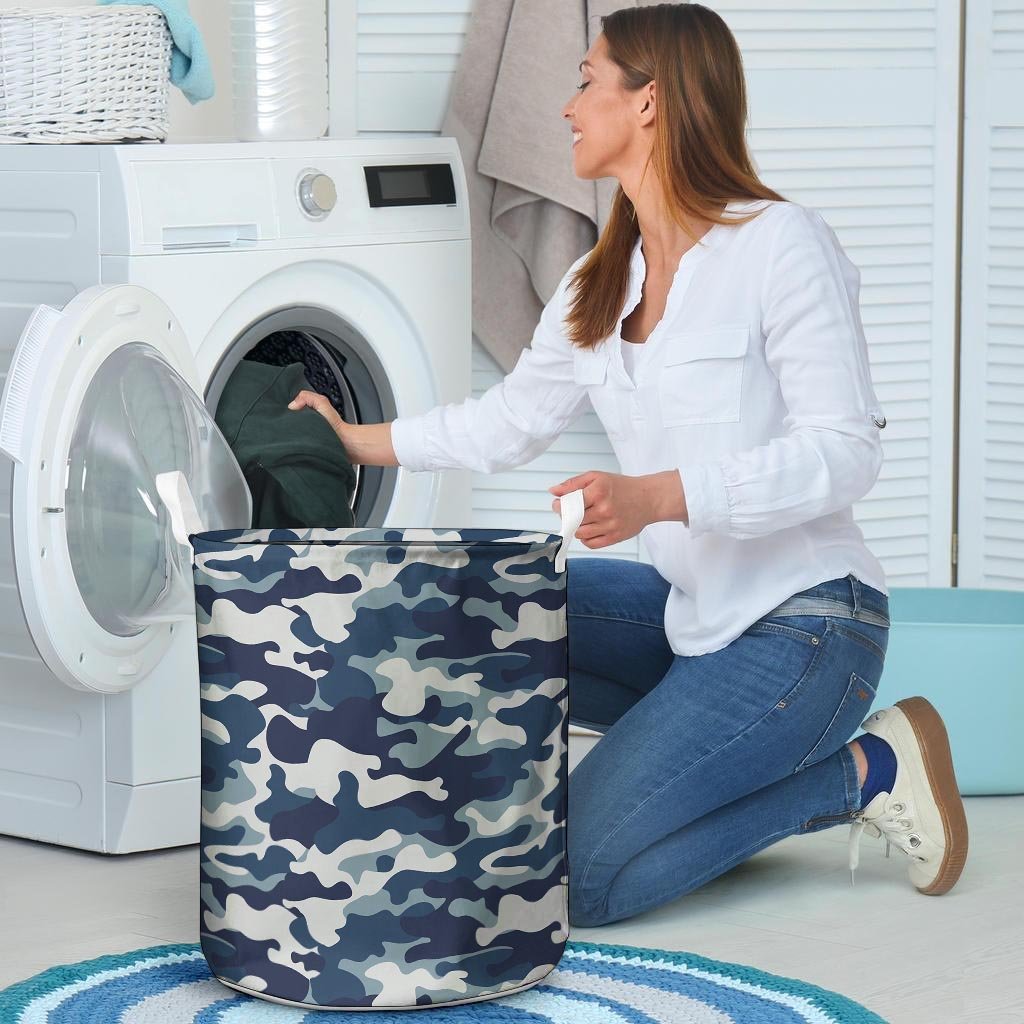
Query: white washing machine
(133, 280)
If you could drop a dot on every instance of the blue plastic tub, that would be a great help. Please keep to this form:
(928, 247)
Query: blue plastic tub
(963, 649)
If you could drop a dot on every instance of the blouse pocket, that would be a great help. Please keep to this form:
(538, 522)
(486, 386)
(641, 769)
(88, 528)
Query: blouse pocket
(702, 377)
(590, 370)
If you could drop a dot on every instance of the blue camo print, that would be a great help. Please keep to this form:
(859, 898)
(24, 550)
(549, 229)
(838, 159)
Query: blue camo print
(384, 763)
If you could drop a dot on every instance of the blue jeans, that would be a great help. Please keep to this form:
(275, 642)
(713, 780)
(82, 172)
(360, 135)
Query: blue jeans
(705, 760)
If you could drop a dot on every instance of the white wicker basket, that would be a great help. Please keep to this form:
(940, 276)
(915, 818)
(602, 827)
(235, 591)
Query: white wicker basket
(83, 74)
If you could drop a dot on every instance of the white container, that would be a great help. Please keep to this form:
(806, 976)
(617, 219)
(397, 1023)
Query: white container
(279, 50)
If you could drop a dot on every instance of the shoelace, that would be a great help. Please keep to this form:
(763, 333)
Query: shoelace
(890, 824)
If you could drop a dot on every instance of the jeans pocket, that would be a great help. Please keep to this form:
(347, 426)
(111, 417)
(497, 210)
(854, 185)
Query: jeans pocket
(869, 635)
(811, 628)
(852, 710)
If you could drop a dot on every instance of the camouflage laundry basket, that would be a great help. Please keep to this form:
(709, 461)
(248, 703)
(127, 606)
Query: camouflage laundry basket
(383, 762)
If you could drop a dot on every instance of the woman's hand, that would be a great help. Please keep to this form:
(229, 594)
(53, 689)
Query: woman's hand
(618, 507)
(322, 404)
(365, 444)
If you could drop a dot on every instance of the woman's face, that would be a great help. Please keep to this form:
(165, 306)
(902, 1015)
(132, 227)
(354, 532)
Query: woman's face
(604, 117)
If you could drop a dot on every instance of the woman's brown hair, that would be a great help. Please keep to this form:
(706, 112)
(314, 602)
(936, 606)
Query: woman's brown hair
(699, 152)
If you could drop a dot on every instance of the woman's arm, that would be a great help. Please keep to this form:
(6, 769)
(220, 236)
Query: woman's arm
(831, 453)
(368, 444)
(365, 444)
(509, 424)
(514, 420)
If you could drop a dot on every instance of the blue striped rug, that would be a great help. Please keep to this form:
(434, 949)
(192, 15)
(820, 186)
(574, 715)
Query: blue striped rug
(594, 983)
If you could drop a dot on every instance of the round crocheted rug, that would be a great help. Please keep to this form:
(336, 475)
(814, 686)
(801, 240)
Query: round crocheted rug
(594, 983)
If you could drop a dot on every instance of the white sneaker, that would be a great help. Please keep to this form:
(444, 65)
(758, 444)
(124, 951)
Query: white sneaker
(923, 815)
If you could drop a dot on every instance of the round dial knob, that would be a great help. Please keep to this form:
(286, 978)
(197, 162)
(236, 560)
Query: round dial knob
(317, 194)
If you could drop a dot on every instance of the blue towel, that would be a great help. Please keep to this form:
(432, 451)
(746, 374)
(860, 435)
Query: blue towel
(190, 66)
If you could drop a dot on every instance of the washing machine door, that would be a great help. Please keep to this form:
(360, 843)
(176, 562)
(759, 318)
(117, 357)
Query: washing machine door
(101, 398)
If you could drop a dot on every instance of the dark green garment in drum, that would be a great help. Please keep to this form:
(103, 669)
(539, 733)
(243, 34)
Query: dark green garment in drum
(296, 468)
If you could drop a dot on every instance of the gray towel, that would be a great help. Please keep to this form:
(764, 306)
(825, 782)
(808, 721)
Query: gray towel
(531, 216)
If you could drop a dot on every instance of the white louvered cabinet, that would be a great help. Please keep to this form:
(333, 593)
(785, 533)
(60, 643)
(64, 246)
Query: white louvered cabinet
(991, 477)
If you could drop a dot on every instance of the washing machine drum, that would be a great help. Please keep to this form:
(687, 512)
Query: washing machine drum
(284, 347)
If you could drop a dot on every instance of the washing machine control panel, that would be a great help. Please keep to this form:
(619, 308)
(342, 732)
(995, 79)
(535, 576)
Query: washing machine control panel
(209, 197)
(317, 194)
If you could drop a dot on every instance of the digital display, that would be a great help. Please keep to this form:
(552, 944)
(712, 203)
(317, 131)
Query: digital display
(410, 185)
(404, 183)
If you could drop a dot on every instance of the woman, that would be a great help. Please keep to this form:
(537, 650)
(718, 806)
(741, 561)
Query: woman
(715, 328)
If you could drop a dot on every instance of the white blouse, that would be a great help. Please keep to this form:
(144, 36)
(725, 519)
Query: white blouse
(755, 387)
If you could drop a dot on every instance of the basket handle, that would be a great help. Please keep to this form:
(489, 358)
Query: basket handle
(571, 506)
(175, 493)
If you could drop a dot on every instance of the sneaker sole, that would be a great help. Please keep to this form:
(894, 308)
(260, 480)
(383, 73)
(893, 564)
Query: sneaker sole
(938, 763)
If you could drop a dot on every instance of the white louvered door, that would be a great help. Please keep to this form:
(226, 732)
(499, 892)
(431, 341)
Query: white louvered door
(991, 492)
(393, 63)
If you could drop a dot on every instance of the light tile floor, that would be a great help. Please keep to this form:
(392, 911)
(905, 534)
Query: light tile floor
(913, 959)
